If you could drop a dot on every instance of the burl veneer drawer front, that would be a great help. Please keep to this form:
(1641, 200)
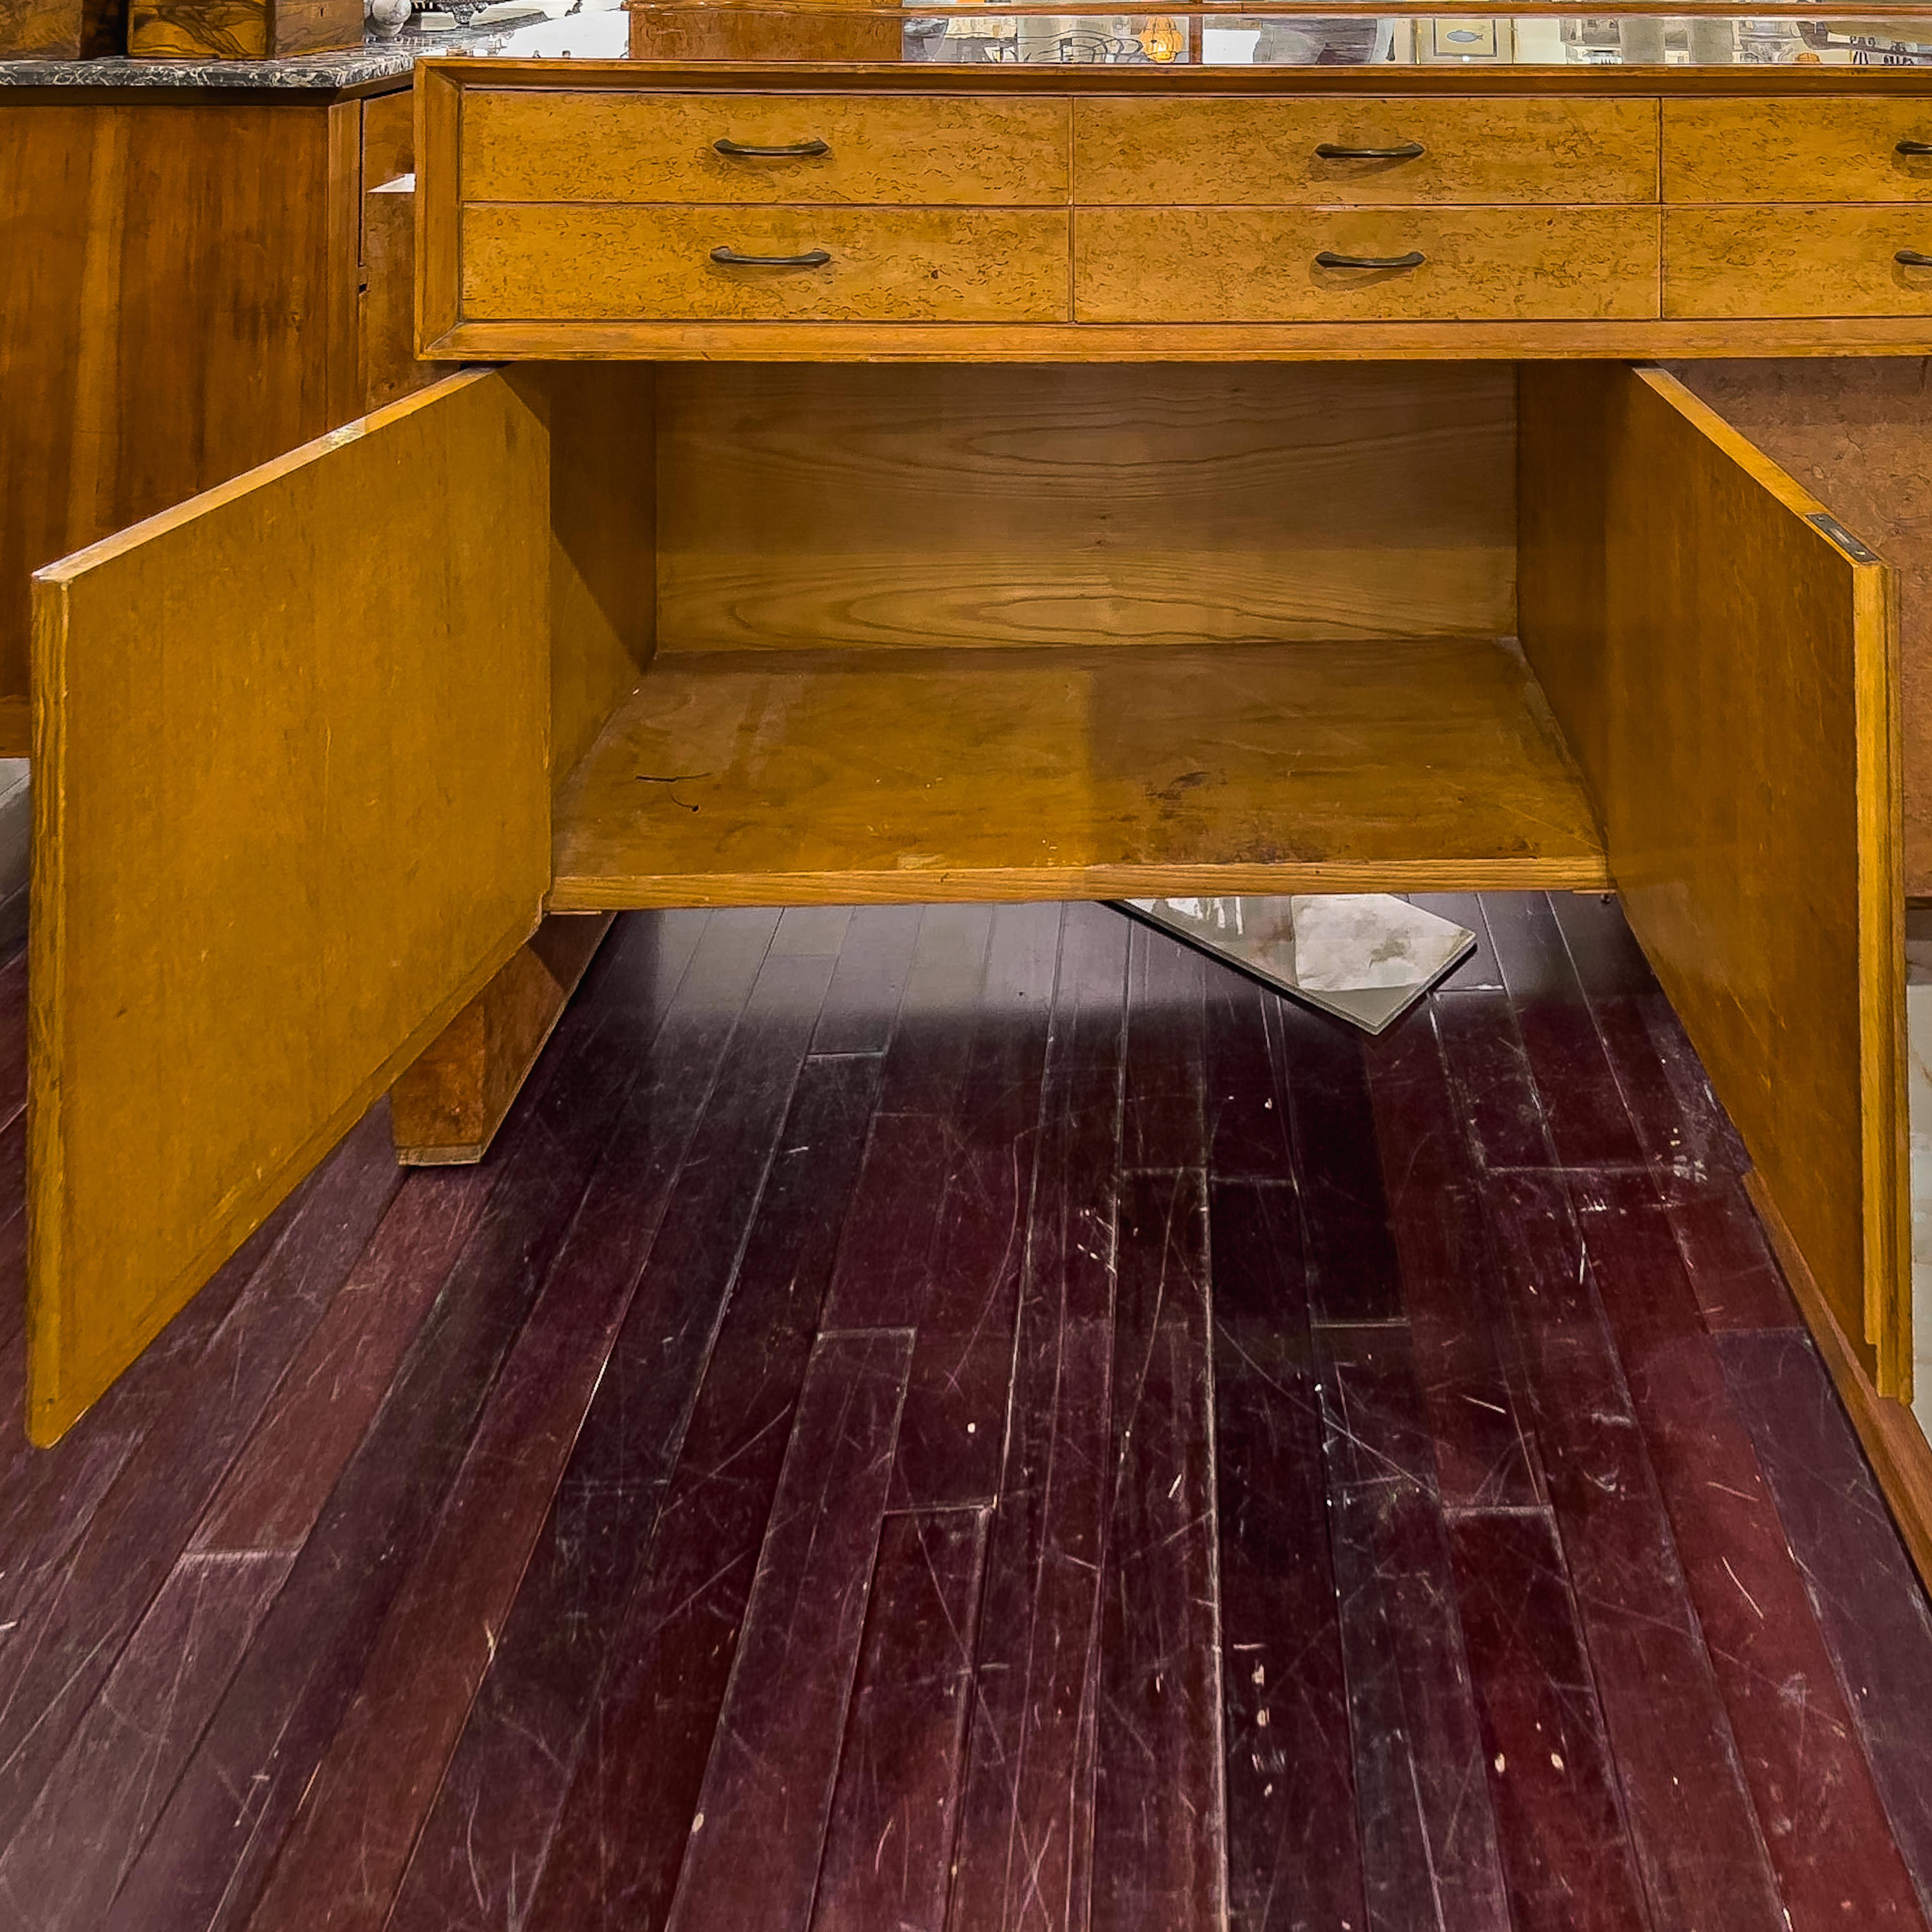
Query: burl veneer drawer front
(523, 146)
(1356, 265)
(566, 264)
(1764, 262)
(1274, 153)
(1765, 150)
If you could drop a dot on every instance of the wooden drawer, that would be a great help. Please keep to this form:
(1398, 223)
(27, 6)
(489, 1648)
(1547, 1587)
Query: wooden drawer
(1839, 150)
(1263, 153)
(1259, 264)
(887, 264)
(523, 146)
(1722, 263)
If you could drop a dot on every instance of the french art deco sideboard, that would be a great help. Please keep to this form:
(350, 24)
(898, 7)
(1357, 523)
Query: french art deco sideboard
(921, 479)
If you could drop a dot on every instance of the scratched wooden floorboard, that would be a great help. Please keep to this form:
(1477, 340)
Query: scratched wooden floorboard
(1159, 1851)
(361, 1809)
(482, 1847)
(650, 1725)
(952, 1433)
(1582, 1104)
(208, 1858)
(1294, 1856)
(1485, 1454)
(890, 1840)
(1830, 1846)
(69, 1632)
(471, 1577)
(1025, 1811)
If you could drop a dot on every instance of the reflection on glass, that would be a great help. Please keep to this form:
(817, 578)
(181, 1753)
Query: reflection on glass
(961, 33)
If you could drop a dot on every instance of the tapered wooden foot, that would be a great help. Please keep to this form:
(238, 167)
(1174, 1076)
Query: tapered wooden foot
(447, 1107)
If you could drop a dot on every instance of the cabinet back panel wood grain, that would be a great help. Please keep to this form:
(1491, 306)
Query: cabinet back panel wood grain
(888, 264)
(1261, 153)
(872, 505)
(520, 146)
(1259, 264)
(1843, 150)
(1738, 263)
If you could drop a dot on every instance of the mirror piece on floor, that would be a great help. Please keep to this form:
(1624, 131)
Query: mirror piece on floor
(1364, 957)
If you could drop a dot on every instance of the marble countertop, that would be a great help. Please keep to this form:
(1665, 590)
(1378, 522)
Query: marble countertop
(600, 34)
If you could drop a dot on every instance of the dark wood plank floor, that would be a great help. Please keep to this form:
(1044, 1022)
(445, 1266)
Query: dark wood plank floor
(979, 1418)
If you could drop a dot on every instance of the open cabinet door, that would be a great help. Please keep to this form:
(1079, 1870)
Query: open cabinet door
(291, 809)
(1723, 656)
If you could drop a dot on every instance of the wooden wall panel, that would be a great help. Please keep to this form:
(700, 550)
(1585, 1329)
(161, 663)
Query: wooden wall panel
(291, 810)
(1855, 432)
(168, 314)
(872, 505)
(1726, 672)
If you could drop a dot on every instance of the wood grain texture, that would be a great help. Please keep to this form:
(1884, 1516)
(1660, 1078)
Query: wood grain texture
(1901, 1457)
(1024, 1839)
(1454, 340)
(881, 506)
(1261, 153)
(485, 1839)
(929, 152)
(1157, 1860)
(768, 1790)
(202, 30)
(445, 1109)
(1853, 430)
(1726, 673)
(1257, 265)
(158, 338)
(390, 369)
(1794, 150)
(1700, 1852)
(1734, 263)
(1811, 1786)
(61, 29)
(603, 508)
(778, 778)
(165, 949)
(557, 262)
(889, 1842)
(1294, 1855)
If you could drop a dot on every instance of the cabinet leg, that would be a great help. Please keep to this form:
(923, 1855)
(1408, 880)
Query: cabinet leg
(447, 1107)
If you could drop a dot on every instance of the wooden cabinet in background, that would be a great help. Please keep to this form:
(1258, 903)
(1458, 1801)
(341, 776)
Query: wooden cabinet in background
(192, 286)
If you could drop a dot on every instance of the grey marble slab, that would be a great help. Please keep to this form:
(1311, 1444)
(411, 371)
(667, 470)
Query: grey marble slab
(599, 35)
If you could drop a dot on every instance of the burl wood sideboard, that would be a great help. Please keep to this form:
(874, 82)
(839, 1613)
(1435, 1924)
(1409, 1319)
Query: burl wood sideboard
(927, 481)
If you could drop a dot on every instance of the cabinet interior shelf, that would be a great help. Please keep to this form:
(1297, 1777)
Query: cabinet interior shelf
(793, 776)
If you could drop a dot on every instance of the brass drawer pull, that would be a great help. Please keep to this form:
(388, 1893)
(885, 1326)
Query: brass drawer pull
(1409, 151)
(793, 151)
(1328, 259)
(815, 258)
(1911, 147)
(1911, 258)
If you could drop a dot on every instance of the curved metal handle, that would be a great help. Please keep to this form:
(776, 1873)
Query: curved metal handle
(813, 258)
(1409, 151)
(793, 151)
(1911, 147)
(1910, 258)
(1328, 259)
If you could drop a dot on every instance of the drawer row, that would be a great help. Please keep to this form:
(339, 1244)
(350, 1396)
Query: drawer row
(563, 263)
(520, 146)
